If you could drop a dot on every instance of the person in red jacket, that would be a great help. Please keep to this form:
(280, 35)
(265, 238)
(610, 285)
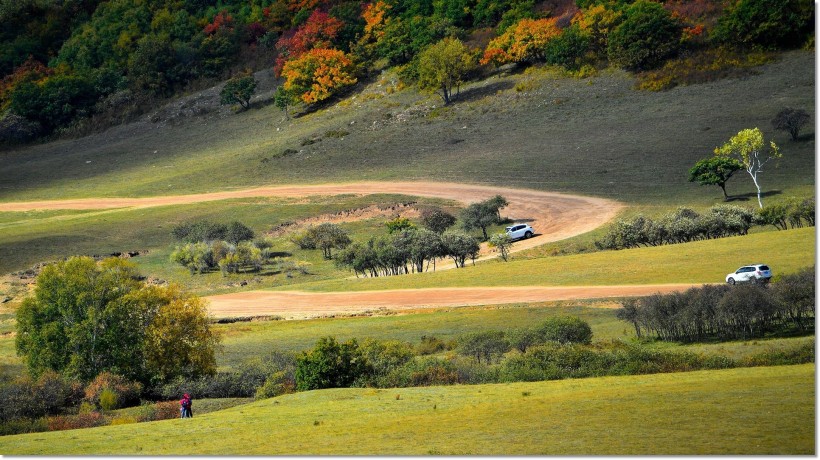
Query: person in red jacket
(185, 406)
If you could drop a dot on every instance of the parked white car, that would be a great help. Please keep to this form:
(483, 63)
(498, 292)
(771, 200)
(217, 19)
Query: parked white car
(759, 273)
(518, 231)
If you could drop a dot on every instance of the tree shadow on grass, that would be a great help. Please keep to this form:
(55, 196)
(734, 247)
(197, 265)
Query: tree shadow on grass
(480, 92)
(752, 196)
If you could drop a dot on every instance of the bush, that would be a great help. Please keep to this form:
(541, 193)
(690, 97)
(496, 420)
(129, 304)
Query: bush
(330, 365)
(200, 231)
(73, 422)
(23, 425)
(111, 391)
(276, 384)
(27, 398)
(647, 36)
(564, 330)
(767, 23)
(489, 345)
(431, 345)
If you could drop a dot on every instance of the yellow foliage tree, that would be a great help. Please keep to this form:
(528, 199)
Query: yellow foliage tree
(523, 42)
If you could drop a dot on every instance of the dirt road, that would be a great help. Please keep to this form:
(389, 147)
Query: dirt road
(554, 216)
(301, 305)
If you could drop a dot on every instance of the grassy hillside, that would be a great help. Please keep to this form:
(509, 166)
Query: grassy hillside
(536, 129)
(740, 411)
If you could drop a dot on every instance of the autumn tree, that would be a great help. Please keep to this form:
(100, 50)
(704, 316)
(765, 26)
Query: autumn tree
(749, 149)
(443, 66)
(87, 317)
(597, 22)
(318, 32)
(522, 43)
(715, 171)
(791, 120)
(317, 75)
(238, 91)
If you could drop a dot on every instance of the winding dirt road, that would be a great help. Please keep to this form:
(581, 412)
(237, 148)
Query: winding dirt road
(554, 216)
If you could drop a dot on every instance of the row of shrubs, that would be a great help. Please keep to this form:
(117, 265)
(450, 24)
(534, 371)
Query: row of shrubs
(685, 225)
(558, 348)
(53, 402)
(725, 312)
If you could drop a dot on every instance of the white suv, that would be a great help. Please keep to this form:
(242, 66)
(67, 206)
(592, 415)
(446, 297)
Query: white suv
(518, 231)
(757, 273)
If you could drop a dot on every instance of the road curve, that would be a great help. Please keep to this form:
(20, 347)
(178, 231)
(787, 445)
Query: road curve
(555, 216)
(303, 305)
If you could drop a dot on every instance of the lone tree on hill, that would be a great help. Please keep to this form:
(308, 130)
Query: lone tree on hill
(482, 215)
(791, 120)
(238, 91)
(443, 66)
(715, 171)
(748, 148)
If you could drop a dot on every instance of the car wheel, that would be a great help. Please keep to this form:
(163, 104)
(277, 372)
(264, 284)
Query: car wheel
(528, 235)
(731, 281)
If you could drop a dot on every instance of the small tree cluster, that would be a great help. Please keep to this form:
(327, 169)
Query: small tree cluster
(229, 258)
(791, 213)
(726, 312)
(682, 226)
(326, 237)
(207, 231)
(409, 251)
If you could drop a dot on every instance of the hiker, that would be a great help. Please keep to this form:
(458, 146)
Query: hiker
(185, 407)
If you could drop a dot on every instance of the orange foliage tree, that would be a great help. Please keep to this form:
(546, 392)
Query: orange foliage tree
(597, 22)
(317, 75)
(523, 42)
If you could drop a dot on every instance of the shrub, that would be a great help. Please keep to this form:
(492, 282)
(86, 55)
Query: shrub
(238, 91)
(27, 398)
(330, 365)
(112, 390)
(23, 425)
(430, 345)
(565, 329)
(767, 23)
(489, 345)
(276, 384)
(647, 36)
(199, 231)
(568, 49)
(108, 399)
(73, 422)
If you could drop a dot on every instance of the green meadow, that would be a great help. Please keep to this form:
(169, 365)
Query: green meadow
(729, 412)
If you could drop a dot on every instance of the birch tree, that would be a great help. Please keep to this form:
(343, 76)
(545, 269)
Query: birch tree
(749, 148)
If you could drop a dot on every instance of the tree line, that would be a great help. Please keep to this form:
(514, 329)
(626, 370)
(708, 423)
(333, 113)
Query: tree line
(726, 312)
(61, 61)
(686, 225)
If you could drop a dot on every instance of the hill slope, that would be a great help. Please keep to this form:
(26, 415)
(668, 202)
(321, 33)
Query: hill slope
(595, 136)
(740, 411)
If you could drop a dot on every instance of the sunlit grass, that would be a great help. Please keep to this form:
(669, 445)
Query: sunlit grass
(697, 262)
(740, 411)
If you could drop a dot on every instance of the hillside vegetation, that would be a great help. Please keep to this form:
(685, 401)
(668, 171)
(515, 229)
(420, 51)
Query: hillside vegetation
(739, 411)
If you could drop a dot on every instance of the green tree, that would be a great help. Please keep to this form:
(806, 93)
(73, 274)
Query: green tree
(767, 23)
(483, 214)
(489, 345)
(330, 364)
(327, 236)
(647, 36)
(436, 219)
(238, 91)
(715, 171)
(443, 66)
(87, 317)
(501, 242)
(459, 246)
(566, 329)
(748, 148)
